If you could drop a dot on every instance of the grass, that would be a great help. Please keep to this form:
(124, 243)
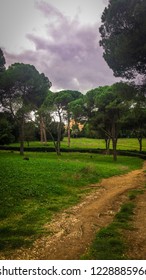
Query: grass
(33, 191)
(110, 243)
(107, 245)
(87, 143)
(123, 143)
(132, 194)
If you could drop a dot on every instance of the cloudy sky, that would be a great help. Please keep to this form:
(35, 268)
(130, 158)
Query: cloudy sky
(59, 37)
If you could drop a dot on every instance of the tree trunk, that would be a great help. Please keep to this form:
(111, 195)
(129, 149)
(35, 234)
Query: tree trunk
(140, 143)
(58, 139)
(22, 137)
(107, 143)
(59, 135)
(42, 131)
(114, 141)
(55, 144)
(68, 132)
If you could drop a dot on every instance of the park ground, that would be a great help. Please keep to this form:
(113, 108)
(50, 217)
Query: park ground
(73, 230)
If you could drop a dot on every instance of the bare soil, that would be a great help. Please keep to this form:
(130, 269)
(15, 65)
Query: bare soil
(71, 232)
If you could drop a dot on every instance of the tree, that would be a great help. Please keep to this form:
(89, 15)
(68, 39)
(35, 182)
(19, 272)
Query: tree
(123, 33)
(135, 118)
(23, 89)
(2, 67)
(108, 114)
(108, 108)
(2, 61)
(52, 110)
(78, 110)
(65, 97)
(53, 131)
(95, 119)
(29, 131)
(57, 108)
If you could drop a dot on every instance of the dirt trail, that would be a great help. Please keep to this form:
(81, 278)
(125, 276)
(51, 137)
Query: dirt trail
(74, 229)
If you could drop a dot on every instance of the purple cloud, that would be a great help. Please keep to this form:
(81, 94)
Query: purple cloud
(70, 55)
(49, 10)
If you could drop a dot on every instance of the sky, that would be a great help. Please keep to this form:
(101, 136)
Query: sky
(59, 37)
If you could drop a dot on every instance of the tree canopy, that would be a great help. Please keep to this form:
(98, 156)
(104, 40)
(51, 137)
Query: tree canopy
(123, 33)
(24, 81)
(2, 61)
(23, 89)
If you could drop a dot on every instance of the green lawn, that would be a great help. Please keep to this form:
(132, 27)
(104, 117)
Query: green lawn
(31, 191)
(123, 143)
(87, 143)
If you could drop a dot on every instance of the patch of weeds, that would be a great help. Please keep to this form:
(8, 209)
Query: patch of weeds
(8, 232)
(14, 243)
(125, 214)
(11, 238)
(53, 208)
(87, 170)
(133, 194)
(109, 243)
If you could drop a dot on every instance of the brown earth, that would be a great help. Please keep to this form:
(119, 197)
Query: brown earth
(73, 230)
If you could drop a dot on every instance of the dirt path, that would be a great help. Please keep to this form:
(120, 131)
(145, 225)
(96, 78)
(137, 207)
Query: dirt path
(74, 229)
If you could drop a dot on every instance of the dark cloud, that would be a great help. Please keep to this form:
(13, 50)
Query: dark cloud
(70, 54)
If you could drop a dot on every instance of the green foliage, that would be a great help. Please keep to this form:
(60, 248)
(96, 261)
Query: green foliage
(123, 33)
(135, 118)
(53, 128)
(78, 109)
(23, 90)
(58, 103)
(30, 130)
(6, 136)
(64, 97)
(2, 61)
(23, 84)
(107, 106)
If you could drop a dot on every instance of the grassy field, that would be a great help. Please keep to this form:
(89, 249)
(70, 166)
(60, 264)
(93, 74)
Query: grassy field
(31, 191)
(87, 143)
(123, 143)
